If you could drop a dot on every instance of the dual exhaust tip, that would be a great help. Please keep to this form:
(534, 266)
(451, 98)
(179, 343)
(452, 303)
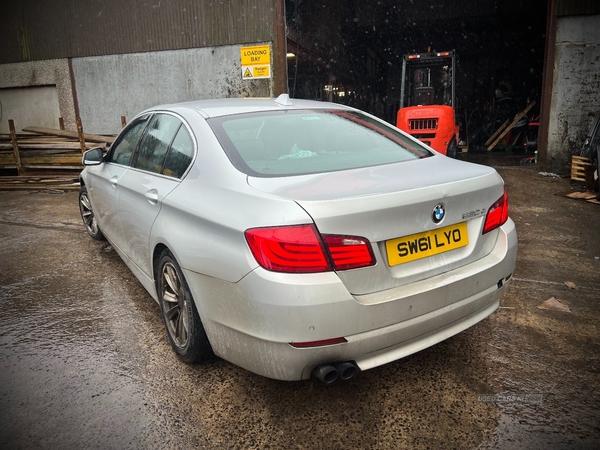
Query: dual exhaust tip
(328, 373)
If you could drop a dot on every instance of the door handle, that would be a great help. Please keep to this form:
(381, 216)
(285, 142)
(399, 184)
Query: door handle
(152, 196)
(113, 180)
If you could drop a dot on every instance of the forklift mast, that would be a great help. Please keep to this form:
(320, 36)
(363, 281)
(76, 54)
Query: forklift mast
(428, 79)
(428, 100)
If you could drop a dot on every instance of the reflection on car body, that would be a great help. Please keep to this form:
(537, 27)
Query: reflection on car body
(297, 237)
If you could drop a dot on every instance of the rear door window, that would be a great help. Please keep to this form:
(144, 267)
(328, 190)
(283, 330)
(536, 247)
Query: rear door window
(156, 141)
(180, 154)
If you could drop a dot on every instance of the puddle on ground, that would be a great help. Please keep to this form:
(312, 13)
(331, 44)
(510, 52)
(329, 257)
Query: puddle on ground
(66, 373)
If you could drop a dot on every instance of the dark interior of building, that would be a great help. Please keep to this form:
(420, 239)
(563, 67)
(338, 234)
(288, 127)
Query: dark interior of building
(350, 52)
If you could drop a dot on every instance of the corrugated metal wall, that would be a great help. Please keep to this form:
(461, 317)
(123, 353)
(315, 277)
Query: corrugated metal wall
(112, 86)
(51, 29)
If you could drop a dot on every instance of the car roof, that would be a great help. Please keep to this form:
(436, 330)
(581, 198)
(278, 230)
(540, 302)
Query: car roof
(228, 106)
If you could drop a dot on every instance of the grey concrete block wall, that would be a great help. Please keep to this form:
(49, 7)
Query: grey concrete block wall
(576, 87)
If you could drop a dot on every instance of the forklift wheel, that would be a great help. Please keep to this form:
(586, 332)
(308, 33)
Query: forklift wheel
(452, 149)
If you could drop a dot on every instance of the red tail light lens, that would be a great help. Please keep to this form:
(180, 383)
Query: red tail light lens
(294, 249)
(300, 249)
(497, 214)
(349, 252)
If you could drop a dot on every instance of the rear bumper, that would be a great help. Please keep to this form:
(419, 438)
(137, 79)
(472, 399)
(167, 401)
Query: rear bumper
(251, 323)
(407, 338)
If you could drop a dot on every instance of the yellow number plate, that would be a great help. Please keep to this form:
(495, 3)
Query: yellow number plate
(429, 243)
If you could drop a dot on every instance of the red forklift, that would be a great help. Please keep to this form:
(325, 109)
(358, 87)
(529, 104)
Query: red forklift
(427, 100)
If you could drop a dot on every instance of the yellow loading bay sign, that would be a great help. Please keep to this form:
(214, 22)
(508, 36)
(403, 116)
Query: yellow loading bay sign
(256, 62)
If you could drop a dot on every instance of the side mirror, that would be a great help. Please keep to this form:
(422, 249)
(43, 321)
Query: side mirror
(93, 157)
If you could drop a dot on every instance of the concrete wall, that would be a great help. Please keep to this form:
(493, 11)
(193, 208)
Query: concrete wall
(112, 86)
(29, 106)
(53, 73)
(576, 88)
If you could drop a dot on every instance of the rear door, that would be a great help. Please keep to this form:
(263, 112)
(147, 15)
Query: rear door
(164, 154)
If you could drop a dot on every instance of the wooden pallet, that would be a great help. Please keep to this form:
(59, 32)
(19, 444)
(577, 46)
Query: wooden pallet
(579, 166)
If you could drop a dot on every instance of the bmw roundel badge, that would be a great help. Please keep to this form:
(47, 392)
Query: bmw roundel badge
(438, 214)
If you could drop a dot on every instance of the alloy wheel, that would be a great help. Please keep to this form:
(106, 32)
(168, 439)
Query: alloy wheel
(87, 214)
(175, 307)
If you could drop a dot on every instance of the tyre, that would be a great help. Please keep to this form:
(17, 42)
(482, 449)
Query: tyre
(88, 216)
(452, 149)
(597, 184)
(184, 328)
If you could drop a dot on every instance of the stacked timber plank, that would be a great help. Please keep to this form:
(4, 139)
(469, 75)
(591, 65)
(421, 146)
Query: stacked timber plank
(501, 132)
(22, 182)
(42, 158)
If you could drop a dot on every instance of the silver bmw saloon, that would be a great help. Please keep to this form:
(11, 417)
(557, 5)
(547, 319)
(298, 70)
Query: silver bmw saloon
(297, 238)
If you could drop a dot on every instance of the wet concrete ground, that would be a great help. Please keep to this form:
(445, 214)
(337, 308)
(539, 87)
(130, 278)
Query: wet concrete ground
(85, 362)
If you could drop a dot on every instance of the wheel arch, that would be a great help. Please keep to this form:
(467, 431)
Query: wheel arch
(158, 250)
(190, 343)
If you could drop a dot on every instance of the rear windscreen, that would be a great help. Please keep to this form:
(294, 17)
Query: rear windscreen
(298, 142)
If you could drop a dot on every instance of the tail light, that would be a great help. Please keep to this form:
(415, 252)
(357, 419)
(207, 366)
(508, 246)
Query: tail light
(295, 249)
(349, 252)
(300, 249)
(497, 214)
